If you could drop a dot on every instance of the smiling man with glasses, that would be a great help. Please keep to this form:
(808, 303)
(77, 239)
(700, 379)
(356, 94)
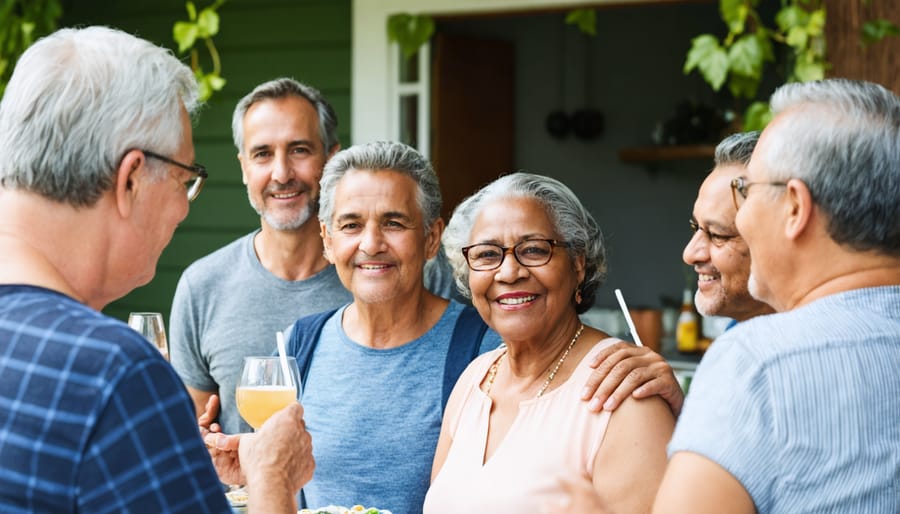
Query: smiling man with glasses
(716, 251)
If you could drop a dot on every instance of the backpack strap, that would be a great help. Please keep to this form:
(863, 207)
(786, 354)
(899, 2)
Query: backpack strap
(305, 335)
(304, 338)
(465, 344)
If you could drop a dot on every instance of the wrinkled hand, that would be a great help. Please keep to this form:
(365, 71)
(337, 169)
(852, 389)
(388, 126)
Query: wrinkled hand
(223, 449)
(224, 452)
(280, 452)
(624, 369)
(580, 497)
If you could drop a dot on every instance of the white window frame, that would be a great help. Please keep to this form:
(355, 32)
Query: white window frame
(421, 89)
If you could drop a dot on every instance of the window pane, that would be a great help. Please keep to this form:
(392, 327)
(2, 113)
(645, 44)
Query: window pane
(409, 68)
(409, 120)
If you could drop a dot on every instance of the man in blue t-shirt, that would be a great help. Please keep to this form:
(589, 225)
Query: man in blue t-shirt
(96, 173)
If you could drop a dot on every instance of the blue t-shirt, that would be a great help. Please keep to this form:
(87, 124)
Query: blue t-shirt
(375, 416)
(803, 407)
(92, 418)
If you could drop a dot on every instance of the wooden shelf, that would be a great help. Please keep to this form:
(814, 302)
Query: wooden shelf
(657, 153)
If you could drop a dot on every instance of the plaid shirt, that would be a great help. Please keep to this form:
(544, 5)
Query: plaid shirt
(92, 418)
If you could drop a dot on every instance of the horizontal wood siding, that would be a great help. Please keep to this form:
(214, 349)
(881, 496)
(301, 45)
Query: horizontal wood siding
(259, 40)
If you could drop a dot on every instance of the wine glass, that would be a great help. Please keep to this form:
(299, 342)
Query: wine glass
(150, 325)
(264, 389)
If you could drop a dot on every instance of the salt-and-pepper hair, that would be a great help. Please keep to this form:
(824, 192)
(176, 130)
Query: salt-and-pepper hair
(572, 222)
(78, 101)
(736, 148)
(842, 139)
(382, 155)
(284, 88)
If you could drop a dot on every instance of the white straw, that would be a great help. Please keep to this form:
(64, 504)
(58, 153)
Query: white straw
(637, 338)
(282, 356)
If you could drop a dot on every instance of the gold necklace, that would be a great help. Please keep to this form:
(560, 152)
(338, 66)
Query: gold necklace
(492, 373)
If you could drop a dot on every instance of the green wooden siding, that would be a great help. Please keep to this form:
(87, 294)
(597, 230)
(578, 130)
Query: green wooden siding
(258, 40)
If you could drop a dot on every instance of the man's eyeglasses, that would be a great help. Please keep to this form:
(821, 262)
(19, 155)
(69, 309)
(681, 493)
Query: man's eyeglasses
(740, 185)
(530, 253)
(195, 184)
(714, 238)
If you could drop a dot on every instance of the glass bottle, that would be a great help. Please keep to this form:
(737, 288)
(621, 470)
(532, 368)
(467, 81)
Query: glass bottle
(687, 332)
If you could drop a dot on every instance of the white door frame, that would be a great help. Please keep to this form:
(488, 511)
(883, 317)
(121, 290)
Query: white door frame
(373, 106)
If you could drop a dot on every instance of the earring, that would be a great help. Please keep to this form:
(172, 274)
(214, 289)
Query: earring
(578, 297)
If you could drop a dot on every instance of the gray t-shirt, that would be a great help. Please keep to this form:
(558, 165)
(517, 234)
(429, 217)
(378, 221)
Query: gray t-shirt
(228, 306)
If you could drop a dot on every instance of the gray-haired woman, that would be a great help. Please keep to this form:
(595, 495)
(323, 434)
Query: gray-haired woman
(531, 258)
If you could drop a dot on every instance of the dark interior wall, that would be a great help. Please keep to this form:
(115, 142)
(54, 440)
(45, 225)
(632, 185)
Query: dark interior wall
(634, 65)
(259, 40)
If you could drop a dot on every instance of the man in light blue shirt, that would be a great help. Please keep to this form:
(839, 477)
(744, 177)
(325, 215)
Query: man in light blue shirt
(797, 411)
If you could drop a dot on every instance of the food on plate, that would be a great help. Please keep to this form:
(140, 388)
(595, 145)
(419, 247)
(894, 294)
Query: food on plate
(237, 497)
(335, 509)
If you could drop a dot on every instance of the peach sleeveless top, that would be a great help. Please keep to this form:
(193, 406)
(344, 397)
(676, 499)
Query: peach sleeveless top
(553, 436)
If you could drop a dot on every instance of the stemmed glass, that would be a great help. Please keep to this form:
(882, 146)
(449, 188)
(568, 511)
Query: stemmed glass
(150, 325)
(264, 389)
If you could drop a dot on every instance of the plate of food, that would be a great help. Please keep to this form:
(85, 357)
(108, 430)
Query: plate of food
(337, 509)
(237, 498)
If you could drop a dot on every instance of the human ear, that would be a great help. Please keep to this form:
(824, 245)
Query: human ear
(800, 207)
(326, 242)
(433, 238)
(126, 181)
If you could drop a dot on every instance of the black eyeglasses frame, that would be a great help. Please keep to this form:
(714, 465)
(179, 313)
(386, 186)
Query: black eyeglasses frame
(194, 190)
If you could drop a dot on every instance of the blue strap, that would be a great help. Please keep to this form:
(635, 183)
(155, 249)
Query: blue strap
(465, 344)
(304, 337)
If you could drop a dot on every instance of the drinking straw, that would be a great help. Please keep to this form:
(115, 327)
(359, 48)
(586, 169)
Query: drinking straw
(637, 338)
(282, 356)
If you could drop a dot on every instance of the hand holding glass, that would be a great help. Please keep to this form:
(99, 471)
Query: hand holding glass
(263, 388)
(150, 325)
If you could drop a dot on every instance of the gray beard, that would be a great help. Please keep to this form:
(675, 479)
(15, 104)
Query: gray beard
(294, 223)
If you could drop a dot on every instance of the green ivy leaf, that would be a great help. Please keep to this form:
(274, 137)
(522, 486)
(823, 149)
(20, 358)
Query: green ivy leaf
(208, 23)
(216, 83)
(757, 116)
(27, 31)
(410, 32)
(797, 38)
(701, 47)
(584, 19)
(791, 16)
(875, 30)
(734, 14)
(816, 25)
(185, 34)
(743, 86)
(808, 68)
(710, 58)
(764, 39)
(745, 57)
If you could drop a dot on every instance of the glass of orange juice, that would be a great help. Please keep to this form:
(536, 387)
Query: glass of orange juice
(264, 389)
